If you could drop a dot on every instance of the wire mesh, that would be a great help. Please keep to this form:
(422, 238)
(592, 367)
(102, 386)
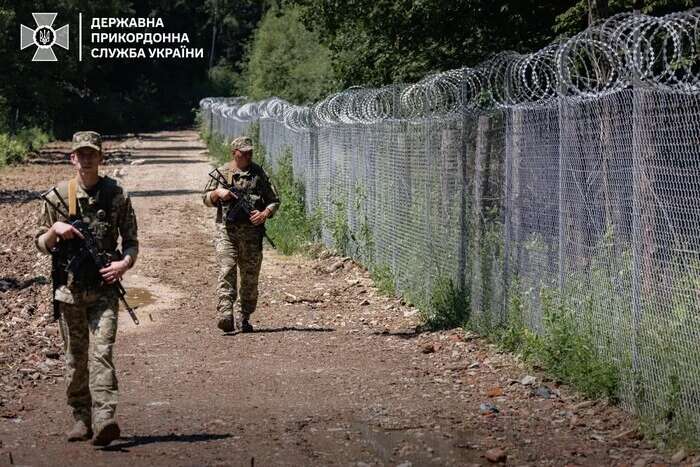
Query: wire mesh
(573, 171)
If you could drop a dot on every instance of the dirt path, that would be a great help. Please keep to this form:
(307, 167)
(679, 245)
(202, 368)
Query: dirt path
(334, 375)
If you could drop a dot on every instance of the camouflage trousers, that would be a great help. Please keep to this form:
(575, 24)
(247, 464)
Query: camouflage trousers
(238, 247)
(89, 329)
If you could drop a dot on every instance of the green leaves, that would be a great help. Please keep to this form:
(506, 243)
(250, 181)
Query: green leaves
(383, 41)
(287, 60)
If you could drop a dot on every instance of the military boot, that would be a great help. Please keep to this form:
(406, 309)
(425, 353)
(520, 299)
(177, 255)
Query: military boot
(80, 431)
(226, 323)
(106, 432)
(243, 323)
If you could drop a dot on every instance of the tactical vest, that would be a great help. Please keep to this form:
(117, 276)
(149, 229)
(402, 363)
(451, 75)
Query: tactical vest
(97, 212)
(247, 182)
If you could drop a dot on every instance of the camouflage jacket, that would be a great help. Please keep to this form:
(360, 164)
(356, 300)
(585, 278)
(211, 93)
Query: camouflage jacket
(108, 212)
(254, 182)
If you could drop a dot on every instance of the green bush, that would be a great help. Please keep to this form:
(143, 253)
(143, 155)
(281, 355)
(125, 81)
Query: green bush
(33, 138)
(12, 150)
(448, 305)
(570, 354)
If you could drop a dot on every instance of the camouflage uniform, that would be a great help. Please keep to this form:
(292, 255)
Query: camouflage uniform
(90, 312)
(239, 244)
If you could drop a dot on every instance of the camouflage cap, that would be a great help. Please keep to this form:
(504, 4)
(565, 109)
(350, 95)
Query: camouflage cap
(242, 143)
(87, 139)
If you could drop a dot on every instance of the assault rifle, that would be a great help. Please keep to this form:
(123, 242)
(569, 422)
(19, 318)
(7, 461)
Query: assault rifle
(81, 254)
(242, 206)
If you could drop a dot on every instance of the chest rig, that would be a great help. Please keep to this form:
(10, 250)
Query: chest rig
(95, 211)
(247, 183)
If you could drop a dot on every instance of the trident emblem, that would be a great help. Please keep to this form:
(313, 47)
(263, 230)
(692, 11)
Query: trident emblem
(44, 37)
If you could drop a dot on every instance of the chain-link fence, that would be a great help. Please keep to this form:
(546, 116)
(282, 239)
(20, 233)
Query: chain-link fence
(572, 172)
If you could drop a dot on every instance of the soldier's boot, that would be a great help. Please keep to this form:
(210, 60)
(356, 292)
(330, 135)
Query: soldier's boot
(80, 431)
(243, 323)
(106, 432)
(226, 323)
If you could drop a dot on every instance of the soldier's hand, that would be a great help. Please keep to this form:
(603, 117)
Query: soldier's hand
(114, 271)
(65, 231)
(259, 217)
(222, 194)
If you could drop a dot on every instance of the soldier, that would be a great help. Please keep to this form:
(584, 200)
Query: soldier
(88, 308)
(239, 241)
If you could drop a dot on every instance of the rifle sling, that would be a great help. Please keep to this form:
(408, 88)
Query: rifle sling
(105, 194)
(73, 198)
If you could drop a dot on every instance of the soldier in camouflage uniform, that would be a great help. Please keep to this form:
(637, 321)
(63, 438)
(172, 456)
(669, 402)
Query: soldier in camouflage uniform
(88, 309)
(239, 243)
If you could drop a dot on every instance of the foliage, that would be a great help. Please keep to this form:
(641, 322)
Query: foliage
(575, 18)
(118, 95)
(338, 225)
(33, 138)
(383, 279)
(362, 238)
(448, 305)
(291, 228)
(223, 79)
(564, 349)
(287, 60)
(218, 149)
(12, 150)
(381, 41)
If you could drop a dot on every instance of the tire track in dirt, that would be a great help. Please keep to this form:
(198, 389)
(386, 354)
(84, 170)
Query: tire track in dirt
(336, 374)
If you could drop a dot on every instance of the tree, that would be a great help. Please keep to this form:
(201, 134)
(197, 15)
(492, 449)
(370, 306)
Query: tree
(117, 95)
(382, 41)
(579, 15)
(287, 60)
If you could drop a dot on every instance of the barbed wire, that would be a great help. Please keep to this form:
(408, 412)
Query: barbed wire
(613, 54)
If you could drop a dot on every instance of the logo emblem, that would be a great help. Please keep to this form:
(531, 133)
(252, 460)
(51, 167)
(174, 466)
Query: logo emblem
(44, 37)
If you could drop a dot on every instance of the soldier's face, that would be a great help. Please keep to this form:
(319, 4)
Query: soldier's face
(86, 160)
(242, 158)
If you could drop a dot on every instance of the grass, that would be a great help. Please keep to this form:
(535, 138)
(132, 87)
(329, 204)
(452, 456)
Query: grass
(564, 349)
(218, 149)
(292, 229)
(337, 223)
(383, 279)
